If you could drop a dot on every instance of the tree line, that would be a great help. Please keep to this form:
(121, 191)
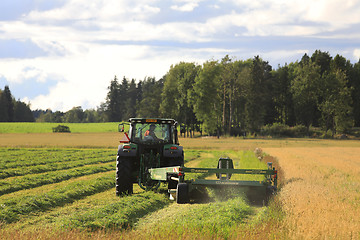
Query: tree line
(74, 115)
(229, 96)
(237, 96)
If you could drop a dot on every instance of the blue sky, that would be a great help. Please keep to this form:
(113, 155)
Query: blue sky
(63, 53)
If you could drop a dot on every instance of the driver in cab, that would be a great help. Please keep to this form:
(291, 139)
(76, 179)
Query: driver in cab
(151, 132)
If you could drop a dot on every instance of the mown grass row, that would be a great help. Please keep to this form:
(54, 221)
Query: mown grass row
(122, 214)
(36, 180)
(11, 209)
(216, 219)
(12, 158)
(21, 171)
(8, 155)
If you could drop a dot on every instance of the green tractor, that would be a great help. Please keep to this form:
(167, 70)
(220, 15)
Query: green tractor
(150, 143)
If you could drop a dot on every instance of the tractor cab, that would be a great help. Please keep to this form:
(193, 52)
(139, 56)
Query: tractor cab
(152, 131)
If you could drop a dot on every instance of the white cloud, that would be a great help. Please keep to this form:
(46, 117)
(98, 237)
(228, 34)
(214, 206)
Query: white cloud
(188, 7)
(294, 18)
(18, 71)
(215, 6)
(335, 12)
(99, 10)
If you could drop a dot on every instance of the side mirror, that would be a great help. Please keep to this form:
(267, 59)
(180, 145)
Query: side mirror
(121, 127)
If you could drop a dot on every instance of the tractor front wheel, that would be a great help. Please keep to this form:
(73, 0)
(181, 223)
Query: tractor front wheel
(124, 183)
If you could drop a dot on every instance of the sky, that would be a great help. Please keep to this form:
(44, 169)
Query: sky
(60, 54)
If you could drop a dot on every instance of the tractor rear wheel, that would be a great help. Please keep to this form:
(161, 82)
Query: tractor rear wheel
(182, 193)
(124, 183)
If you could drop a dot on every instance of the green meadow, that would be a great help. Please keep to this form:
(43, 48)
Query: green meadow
(28, 127)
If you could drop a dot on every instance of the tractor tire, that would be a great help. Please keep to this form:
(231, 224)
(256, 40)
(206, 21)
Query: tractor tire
(182, 193)
(124, 183)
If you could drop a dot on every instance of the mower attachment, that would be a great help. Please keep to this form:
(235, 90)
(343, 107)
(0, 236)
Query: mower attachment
(224, 172)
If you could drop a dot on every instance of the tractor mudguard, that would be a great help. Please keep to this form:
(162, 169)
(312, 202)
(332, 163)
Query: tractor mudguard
(130, 150)
(173, 151)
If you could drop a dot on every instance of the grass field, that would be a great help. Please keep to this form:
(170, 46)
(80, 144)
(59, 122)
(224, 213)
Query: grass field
(61, 186)
(28, 127)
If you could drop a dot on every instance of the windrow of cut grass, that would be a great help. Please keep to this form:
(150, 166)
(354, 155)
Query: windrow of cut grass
(20, 171)
(14, 206)
(86, 158)
(14, 157)
(36, 180)
(58, 218)
(122, 214)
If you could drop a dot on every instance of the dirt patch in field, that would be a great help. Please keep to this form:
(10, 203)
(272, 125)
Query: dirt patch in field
(320, 194)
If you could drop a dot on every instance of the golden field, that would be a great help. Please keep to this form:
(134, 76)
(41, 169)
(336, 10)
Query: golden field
(321, 192)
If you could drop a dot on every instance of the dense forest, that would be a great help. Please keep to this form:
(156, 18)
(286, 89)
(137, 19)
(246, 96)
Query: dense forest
(232, 97)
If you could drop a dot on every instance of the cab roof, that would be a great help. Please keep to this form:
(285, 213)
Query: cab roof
(152, 120)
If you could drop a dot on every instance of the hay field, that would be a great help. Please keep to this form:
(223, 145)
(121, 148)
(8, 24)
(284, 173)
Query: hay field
(321, 192)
